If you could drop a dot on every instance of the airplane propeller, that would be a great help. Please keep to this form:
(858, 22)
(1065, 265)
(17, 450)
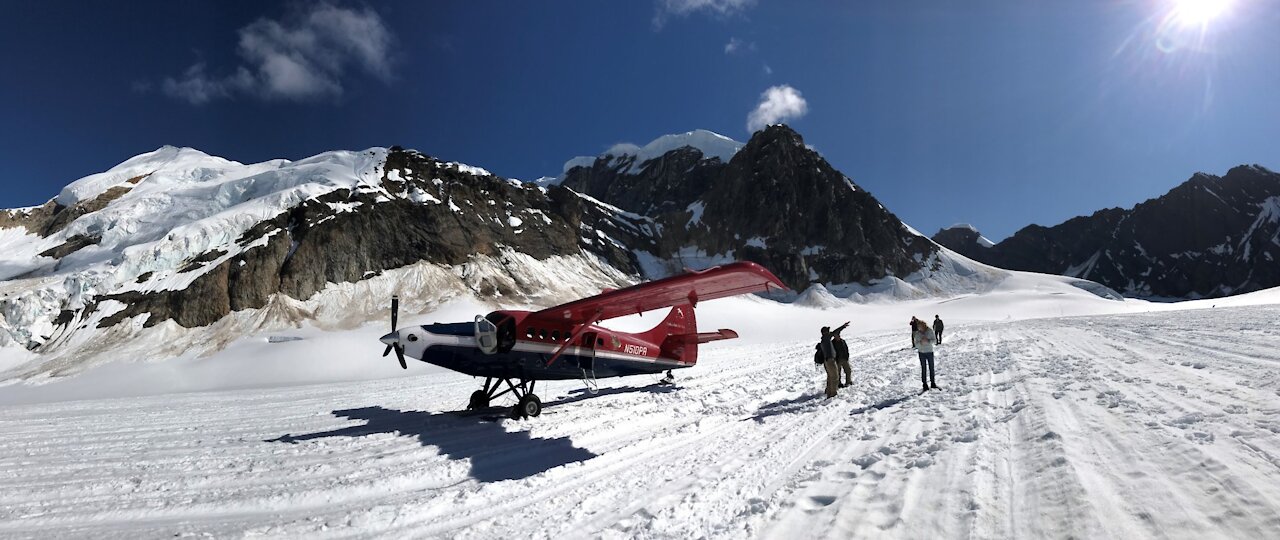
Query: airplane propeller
(395, 345)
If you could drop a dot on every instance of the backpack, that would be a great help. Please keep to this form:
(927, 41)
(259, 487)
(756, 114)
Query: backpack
(817, 354)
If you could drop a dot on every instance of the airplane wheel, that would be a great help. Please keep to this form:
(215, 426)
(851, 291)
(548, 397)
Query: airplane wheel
(529, 406)
(479, 400)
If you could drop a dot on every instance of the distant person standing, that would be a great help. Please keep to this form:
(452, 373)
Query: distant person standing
(842, 360)
(923, 338)
(937, 328)
(829, 357)
(913, 322)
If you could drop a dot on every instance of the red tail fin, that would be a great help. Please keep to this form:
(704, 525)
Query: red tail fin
(680, 320)
(679, 336)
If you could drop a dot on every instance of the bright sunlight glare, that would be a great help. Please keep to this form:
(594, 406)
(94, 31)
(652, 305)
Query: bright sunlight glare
(1199, 12)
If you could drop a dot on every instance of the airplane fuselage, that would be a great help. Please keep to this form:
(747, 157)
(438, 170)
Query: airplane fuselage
(523, 348)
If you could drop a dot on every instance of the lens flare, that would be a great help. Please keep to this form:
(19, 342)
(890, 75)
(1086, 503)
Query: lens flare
(1198, 12)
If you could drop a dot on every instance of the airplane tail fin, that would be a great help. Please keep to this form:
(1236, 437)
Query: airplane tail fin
(680, 337)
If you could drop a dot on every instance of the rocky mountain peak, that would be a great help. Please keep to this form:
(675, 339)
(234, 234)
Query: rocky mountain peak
(776, 202)
(780, 135)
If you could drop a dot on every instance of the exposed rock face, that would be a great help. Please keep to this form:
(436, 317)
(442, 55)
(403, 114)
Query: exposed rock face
(776, 202)
(1210, 236)
(438, 213)
(52, 217)
(962, 240)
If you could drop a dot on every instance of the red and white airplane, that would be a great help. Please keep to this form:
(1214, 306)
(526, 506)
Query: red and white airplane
(565, 342)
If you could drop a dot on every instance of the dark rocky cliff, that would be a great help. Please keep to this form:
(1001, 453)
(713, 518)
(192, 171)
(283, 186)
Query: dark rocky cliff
(776, 202)
(1210, 236)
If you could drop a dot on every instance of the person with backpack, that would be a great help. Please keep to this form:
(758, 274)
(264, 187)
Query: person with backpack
(937, 328)
(828, 351)
(923, 338)
(842, 360)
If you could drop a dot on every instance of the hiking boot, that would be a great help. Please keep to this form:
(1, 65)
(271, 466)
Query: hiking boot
(926, 388)
(934, 386)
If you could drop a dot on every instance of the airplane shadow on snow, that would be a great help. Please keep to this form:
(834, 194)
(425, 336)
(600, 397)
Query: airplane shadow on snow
(495, 453)
(582, 393)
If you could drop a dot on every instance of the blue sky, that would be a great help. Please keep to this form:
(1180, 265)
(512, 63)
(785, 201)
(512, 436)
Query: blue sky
(1000, 114)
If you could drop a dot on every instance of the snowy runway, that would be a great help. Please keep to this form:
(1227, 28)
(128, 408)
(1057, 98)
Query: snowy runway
(1123, 426)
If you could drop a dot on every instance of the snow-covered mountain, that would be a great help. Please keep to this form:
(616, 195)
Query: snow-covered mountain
(626, 158)
(1208, 237)
(175, 253)
(174, 240)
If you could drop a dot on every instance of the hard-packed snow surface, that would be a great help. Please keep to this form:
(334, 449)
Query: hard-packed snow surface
(1138, 425)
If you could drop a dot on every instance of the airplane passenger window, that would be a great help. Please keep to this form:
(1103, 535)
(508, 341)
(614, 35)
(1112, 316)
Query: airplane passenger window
(555, 335)
(528, 332)
(599, 342)
(542, 333)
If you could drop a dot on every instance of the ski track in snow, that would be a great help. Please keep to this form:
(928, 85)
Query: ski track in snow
(1161, 425)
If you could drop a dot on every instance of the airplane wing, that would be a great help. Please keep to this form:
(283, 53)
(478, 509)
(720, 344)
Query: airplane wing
(687, 288)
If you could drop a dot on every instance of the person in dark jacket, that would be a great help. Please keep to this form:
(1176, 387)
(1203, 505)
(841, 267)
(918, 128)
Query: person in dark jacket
(937, 328)
(842, 360)
(913, 322)
(829, 358)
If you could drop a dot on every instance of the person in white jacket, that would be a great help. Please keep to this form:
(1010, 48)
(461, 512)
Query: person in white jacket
(923, 339)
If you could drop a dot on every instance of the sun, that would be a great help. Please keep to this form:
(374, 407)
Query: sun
(1199, 12)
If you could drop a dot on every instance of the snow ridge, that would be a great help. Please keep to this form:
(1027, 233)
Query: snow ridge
(711, 144)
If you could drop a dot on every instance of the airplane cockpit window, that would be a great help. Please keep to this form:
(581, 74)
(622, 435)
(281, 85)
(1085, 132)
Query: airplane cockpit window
(503, 329)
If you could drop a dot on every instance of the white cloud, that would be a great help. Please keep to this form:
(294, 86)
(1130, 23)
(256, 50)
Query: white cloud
(304, 57)
(733, 45)
(683, 8)
(777, 104)
(736, 45)
(768, 70)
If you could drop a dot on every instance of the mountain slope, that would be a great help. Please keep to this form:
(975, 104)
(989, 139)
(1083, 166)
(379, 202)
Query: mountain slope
(1208, 237)
(775, 202)
(176, 236)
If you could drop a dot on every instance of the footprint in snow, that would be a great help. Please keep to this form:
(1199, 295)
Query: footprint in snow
(867, 460)
(1200, 437)
(822, 500)
(1186, 420)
